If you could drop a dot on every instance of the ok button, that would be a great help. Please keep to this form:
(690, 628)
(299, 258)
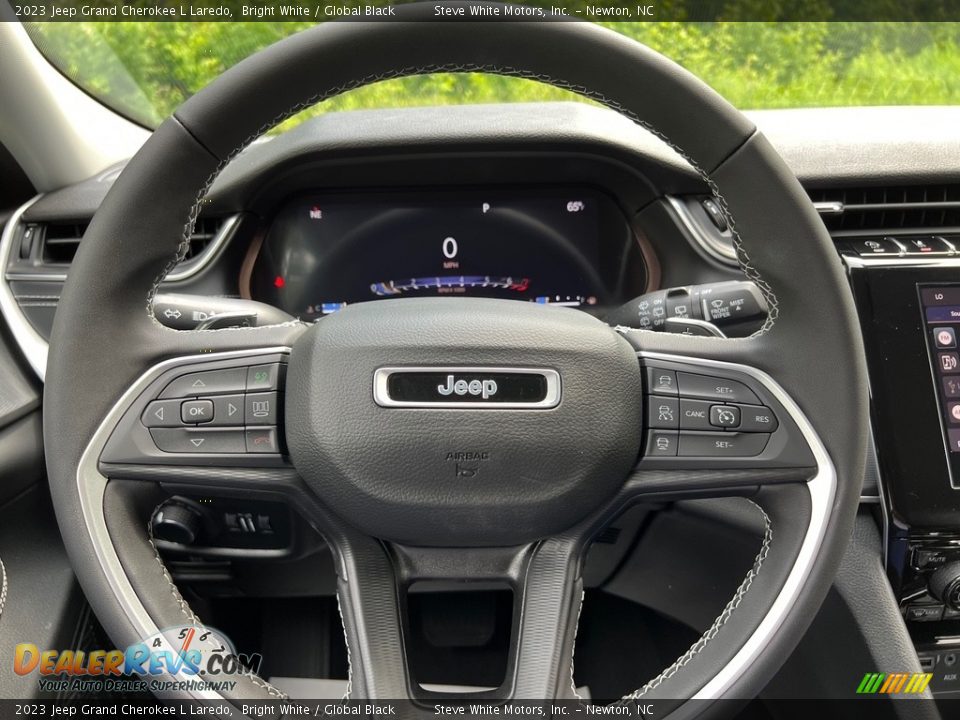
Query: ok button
(196, 411)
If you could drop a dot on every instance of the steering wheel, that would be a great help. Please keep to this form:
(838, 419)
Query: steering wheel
(549, 422)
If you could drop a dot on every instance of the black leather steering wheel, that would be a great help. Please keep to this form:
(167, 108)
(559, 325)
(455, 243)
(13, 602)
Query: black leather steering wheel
(375, 478)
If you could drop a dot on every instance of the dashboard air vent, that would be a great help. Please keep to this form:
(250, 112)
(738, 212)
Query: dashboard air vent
(205, 230)
(58, 241)
(853, 210)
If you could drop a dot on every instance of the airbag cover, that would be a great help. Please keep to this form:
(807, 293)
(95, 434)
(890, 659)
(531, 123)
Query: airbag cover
(454, 475)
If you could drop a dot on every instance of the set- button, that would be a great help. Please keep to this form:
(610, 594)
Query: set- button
(696, 415)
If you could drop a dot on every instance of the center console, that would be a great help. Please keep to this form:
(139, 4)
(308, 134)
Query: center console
(907, 291)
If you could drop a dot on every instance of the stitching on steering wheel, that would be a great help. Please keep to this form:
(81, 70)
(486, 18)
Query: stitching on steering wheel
(3, 586)
(743, 258)
(573, 649)
(188, 613)
(721, 620)
(346, 642)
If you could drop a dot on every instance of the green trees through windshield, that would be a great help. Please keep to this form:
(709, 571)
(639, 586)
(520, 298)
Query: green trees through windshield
(145, 70)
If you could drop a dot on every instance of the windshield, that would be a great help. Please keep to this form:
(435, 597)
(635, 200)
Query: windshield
(145, 70)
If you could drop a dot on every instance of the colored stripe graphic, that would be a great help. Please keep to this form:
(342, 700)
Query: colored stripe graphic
(894, 683)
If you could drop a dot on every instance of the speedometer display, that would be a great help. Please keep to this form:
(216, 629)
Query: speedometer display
(324, 252)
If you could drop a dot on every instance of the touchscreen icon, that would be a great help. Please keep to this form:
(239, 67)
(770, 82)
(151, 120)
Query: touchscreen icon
(955, 412)
(949, 362)
(951, 387)
(945, 337)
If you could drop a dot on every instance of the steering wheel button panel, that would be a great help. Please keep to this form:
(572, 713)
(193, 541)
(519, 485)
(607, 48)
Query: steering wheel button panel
(209, 420)
(207, 383)
(715, 388)
(743, 430)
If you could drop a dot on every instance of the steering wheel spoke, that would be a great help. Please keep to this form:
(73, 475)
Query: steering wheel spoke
(381, 589)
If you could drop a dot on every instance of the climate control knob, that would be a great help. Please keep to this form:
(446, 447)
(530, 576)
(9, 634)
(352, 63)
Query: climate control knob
(944, 585)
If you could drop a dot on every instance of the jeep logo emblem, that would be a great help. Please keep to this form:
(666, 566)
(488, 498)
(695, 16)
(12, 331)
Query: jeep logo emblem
(484, 388)
(466, 388)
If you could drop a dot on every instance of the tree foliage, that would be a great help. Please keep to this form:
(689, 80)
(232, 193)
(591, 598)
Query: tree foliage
(147, 69)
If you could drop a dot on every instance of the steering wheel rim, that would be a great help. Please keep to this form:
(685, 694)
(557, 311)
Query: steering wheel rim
(139, 233)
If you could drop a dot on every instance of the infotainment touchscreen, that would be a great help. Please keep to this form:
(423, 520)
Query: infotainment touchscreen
(941, 313)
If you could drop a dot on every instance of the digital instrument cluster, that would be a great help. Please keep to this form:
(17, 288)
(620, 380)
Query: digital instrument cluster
(323, 252)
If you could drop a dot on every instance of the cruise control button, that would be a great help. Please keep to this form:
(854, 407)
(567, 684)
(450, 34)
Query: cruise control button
(209, 382)
(263, 377)
(714, 388)
(694, 415)
(663, 412)
(261, 408)
(757, 419)
(661, 443)
(196, 411)
(197, 440)
(262, 440)
(725, 416)
(721, 445)
(228, 409)
(162, 413)
(661, 381)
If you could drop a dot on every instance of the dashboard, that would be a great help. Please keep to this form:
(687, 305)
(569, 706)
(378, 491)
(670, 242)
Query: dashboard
(570, 247)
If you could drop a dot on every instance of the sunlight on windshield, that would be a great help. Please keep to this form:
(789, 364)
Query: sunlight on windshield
(145, 70)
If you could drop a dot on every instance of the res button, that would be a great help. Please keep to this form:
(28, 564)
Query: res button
(755, 418)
